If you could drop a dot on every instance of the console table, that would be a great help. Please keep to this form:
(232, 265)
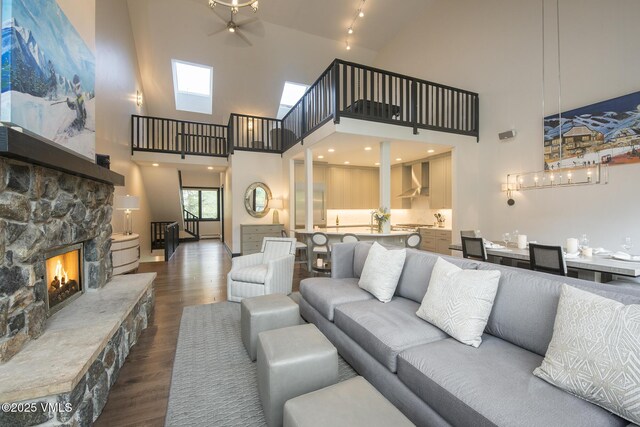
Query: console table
(125, 253)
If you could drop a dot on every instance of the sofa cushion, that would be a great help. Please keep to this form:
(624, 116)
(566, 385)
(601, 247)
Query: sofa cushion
(385, 330)
(459, 301)
(525, 306)
(381, 271)
(253, 274)
(326, 294)
(594, 351)
(492, 385)
(417, 270)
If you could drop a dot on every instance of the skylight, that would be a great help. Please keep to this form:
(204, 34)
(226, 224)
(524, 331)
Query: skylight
(291, 94)
(192, 85)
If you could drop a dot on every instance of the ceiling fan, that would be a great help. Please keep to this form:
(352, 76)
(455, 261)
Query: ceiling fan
(232, 26)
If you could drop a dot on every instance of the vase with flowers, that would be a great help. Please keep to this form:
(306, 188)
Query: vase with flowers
(380, 216)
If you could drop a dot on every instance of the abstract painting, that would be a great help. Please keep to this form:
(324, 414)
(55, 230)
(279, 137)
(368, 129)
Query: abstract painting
(604, 133)
(48, 71)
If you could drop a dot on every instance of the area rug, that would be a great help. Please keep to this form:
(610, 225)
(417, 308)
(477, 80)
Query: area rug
(214, 381)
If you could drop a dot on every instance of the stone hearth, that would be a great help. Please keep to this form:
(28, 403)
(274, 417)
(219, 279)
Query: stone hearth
(40, 209)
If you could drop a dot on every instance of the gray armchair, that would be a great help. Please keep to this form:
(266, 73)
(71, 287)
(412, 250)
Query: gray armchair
(269, 271)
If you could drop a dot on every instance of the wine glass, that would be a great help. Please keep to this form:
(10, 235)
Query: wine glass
(506, 238)
(627, 244)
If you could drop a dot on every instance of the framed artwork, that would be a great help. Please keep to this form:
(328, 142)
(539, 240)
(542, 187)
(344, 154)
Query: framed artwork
(48, 70)
(605, 132)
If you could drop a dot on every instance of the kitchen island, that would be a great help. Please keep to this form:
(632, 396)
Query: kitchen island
(364, 233)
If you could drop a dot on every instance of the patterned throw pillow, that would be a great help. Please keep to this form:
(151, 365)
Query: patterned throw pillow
(459, 301)
(595, 352)
(381, 271)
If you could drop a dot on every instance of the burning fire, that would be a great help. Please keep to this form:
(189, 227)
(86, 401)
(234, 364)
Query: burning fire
(60, 273)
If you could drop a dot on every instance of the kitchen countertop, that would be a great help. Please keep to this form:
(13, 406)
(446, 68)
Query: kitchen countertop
(436, 228)
(357, 230)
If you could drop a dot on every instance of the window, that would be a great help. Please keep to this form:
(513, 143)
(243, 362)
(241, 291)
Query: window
(202, 202)
(291, 94)
(193, 87)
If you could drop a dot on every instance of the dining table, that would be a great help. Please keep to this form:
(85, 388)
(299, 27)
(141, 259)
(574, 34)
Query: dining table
(599, 267)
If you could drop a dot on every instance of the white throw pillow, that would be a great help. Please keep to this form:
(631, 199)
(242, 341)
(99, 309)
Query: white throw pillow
(381, 271)
(595, 352)
(459, 301)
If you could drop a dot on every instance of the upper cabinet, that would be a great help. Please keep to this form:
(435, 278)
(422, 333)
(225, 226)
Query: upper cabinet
(440, 182)
(352, 187)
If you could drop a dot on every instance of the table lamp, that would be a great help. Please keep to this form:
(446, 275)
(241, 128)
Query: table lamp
(276, 204)
(127, 204)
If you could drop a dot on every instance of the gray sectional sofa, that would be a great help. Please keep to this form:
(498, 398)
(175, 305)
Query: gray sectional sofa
(434, 379)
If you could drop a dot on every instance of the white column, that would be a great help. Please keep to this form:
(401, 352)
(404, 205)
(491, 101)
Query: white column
(385, 179)
(292, 196)
(308, 189)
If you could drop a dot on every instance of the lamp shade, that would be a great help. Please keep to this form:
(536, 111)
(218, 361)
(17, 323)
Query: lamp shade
(131, 203)
(276, 204)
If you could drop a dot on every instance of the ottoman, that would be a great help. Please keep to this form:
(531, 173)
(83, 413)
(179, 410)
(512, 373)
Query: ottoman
(264, 313)
(293, 361)
(351, 403)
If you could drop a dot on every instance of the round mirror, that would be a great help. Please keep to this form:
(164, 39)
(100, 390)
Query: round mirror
(256, 199)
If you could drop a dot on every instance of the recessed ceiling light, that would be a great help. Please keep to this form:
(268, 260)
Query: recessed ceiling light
(210, 168)
(377, 164)
(398, 159)
(431, 151)
(331, 150)
(367, 148)
(346, 163)
(321, 157)
(156, 165)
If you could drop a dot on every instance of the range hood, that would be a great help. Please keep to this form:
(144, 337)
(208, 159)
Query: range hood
(419, 181)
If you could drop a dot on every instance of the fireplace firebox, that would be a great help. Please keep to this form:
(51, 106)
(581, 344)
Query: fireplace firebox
(65, 271)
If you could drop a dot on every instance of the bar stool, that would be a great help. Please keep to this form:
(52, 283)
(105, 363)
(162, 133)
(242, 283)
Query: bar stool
(349, 238)
(320, 247)
(301, 249)
(413, 241)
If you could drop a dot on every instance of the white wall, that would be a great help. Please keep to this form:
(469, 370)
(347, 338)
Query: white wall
(249, 167)
(494, 48)
(117, 79)
(162, 187)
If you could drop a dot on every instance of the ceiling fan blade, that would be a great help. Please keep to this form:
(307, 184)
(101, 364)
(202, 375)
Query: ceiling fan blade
(220, 16)
(217, 31)
(246, 22)
(243, 37)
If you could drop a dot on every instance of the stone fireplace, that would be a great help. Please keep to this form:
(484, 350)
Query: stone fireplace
(41, 211)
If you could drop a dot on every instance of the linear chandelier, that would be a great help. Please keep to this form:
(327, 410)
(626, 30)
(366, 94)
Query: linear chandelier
(235, 5)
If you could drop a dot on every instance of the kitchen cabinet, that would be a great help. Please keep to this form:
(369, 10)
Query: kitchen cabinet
(400, 182)
(435, 240)
(352, 187)
(319, 172)
(440, 182)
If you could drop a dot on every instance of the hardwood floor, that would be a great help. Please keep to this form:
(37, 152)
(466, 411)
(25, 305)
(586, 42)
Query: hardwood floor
(195, 275)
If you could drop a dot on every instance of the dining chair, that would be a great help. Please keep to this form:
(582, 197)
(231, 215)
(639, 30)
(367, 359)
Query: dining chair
(473, 248)
(301, 249)
(320, 246)
(413, 241)
(470, 233)
(349, 238)
(548, 259)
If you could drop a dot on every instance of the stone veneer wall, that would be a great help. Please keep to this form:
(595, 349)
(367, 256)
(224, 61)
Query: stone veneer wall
(40, 209)
(89, 396)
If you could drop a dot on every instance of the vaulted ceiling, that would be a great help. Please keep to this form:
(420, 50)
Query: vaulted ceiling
(294, 40)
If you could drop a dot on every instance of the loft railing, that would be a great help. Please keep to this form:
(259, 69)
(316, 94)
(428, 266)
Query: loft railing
(254, 133)
(171, 239)
(182, 137)
(191, 223)
(158, 233)
(344, 89)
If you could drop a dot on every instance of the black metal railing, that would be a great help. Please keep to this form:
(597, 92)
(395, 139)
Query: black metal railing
(344, 89)
(157, 233)
(254, 133)
(182, 137)
(191, 223)
(171, 240)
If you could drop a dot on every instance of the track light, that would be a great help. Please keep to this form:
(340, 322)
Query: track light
(361, 13)
(348, 46)
(350, 31)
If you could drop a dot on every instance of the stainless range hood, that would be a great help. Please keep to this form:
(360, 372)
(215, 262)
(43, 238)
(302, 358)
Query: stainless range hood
(419, 181)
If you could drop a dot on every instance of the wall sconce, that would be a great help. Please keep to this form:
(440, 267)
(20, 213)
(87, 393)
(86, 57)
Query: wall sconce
(250, 125)
(138, 98)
